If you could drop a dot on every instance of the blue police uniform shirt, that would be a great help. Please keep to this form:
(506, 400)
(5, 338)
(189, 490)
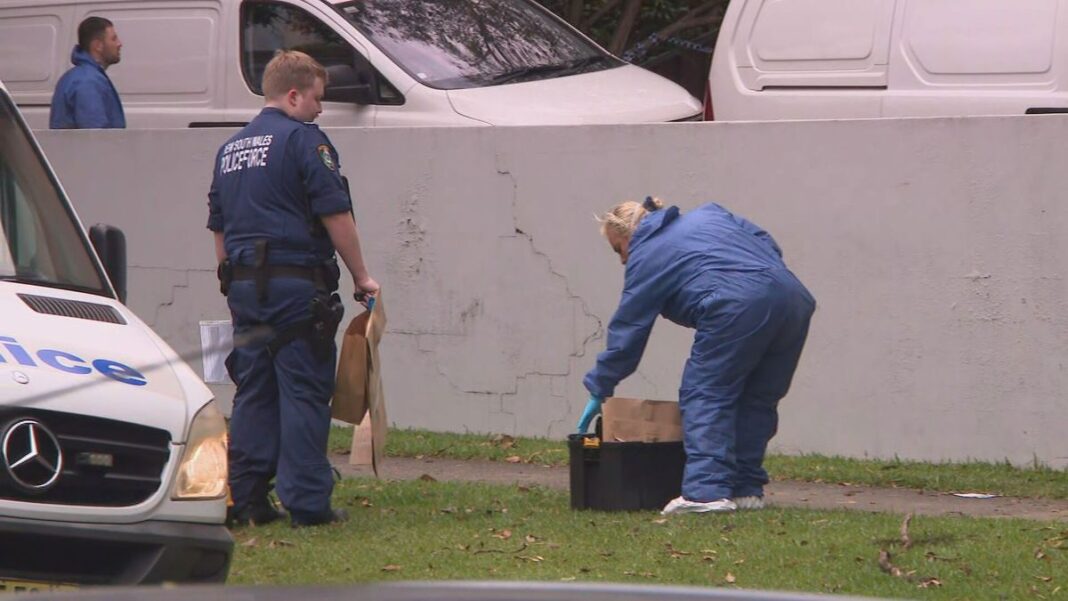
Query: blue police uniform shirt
(676, 267)
(273, 180)
(85, 97)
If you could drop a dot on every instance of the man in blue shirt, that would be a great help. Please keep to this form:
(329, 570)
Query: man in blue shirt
(279, 210)
(723, 276)
(84, 96)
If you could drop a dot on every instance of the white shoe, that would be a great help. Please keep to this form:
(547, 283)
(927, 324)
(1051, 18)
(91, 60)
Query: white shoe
(749, 502)
(681, 505)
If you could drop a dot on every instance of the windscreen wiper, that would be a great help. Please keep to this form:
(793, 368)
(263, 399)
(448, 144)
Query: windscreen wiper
(567, 68)
(579, 65)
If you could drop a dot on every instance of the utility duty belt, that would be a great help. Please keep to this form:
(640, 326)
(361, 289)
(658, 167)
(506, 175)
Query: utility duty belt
(325, 277)
(326, 308)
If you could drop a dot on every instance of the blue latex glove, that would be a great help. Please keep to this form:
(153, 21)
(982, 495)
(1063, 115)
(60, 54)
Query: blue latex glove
(593, 409)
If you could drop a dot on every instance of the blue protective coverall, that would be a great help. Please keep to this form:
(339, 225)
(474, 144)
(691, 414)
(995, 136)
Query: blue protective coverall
(273, 180)
(723, 276)
(85, 98)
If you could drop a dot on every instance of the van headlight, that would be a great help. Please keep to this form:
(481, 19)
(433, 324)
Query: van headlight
(202, 472)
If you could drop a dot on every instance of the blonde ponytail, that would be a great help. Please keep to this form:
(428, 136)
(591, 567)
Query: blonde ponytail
(625, 216)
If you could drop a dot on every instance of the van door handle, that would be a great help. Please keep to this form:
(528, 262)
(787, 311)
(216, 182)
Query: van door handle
(1047, 110)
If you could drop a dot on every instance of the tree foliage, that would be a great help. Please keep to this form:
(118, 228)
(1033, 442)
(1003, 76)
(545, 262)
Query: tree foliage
(646, 32)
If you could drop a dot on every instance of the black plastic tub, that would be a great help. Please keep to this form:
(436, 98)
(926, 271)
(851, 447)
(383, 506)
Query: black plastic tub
(623, 476)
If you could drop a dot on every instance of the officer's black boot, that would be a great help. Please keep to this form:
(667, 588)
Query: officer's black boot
(327, 517)
(257, 512)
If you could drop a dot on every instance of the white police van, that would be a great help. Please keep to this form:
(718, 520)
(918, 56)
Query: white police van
(112, 451)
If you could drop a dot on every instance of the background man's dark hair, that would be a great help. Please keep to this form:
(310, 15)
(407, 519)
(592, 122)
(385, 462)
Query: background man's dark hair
(91, 29)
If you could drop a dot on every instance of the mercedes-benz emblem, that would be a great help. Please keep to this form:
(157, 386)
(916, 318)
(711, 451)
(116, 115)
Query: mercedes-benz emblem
(31, 455)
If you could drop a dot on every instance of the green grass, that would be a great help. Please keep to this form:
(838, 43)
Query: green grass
(999, 478)
(441, 530)
(995, 478)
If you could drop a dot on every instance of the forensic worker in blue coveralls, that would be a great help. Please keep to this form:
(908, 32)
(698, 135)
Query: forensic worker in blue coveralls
(723, 276)
(279, 209)
(85, 97)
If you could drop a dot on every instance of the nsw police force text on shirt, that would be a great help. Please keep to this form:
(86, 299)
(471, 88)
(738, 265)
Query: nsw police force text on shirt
(246, 152)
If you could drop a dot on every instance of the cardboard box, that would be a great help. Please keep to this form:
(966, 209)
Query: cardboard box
(639, 420)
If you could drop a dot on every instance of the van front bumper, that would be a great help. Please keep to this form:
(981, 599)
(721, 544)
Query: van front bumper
(148, 552)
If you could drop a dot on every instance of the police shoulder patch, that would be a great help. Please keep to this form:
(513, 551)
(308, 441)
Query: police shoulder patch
(326, 157)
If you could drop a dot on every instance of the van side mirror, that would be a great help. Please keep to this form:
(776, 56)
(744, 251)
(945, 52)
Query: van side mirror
(110, 245)
(355, 85)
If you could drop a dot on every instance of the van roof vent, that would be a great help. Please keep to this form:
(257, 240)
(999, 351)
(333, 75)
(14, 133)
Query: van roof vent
(72, 308)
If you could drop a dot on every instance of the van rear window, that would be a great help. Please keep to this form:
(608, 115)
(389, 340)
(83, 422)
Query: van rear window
(451, 44)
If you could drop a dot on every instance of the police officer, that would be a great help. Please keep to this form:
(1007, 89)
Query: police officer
(723, 276)
(279, 209)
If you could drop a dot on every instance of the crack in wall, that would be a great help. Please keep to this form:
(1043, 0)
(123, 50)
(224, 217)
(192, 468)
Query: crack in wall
(162, 305)
(499, 394)
(552, 270)
(578, 351)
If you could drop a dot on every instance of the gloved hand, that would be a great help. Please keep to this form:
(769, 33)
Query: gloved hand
(593, 409)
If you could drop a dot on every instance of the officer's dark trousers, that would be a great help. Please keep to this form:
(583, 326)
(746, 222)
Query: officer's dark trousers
(281, 415)
(747, 346)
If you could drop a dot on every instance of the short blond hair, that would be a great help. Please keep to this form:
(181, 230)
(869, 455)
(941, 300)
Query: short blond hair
(624, 218)
(291, 70)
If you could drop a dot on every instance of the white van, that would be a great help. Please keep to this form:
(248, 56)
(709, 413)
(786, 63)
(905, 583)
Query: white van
(830, 59)
(112, 451)
(189, 63)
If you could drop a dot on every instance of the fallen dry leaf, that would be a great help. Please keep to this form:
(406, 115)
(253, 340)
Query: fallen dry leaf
(887, 566)
(906, 541)
(504, 441)
(250, 542)
(391, 567)
(730, 578)
(1045, 578)
(660, 521)
(513, 459)
(428, 478)
(533, 558)
(929, 582)
(275, 544)
(503, 535)
(530, 538)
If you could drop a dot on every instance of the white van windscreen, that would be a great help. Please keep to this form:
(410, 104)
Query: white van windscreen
(39, 240)
(451, 44)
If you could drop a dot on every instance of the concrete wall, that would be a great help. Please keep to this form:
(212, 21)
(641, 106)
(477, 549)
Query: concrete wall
(937, 250)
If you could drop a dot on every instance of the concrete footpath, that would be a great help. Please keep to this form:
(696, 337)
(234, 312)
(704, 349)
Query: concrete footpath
(785, 493)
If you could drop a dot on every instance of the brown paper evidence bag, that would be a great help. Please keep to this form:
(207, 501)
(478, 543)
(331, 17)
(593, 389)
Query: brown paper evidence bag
(359, 386)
